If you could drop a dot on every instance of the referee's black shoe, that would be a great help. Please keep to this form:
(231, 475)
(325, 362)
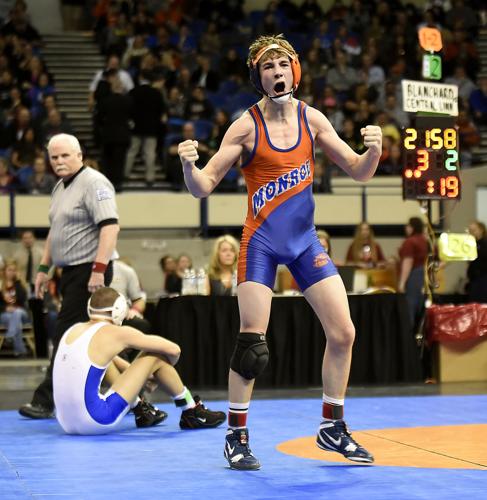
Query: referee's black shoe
(35, 411)
(201, 417)
(147, 415)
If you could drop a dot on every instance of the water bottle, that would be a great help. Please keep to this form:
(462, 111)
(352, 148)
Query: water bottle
(185, 287)
(201, 282)
(234, 283)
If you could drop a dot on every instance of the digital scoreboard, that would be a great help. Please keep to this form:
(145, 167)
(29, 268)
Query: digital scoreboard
(430, 160)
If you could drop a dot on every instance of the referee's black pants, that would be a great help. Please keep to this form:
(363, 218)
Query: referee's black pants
(75, 295)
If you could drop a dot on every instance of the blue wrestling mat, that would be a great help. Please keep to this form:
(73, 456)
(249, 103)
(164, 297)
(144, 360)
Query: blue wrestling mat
(425, 447)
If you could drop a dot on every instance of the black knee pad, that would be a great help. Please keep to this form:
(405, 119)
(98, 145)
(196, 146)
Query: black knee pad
(250, 356)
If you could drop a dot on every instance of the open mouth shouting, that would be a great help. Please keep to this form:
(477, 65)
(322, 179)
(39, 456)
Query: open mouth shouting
(279, 87)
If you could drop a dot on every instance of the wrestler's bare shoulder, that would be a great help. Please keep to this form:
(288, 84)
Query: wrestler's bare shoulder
(242, 128)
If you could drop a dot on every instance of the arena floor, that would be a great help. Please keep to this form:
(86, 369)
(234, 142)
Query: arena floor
(429, 441)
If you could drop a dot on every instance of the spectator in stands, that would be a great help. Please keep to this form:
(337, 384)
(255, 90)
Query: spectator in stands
(6, 85)
(116, 35)
(40, 181)
(315, 65)
(173, 164)
(364, 114)
(184, 41)
(28, 257)
(306, 89)
(174, 280)
(469, 137)
(13, 301)
(42, 112)
(357, 18)
(133, 55)
(38, 92)
(233, 68)
(148, 108)
(113, 63)
(269, 23)
(392, 163)
(162, 42)
(183, 82)
(203, 76)
(351, 135)
(115, 112)
(55, 124)
(19, 26)
(183, 263)
(348, 43)
(325, 240)
(389, 128)
(356, 95)
(223, 265)
(209, 42)
(24, 152)
(32, 71)
(19, 126)
(333, 113)
(478, 102)
(413, 254)
(395, 111)
(364, 251)
(221, 124)
(461, 15)
(477, 269)
(341, 76)
(463, 82)
(460, 50)
(6, 178)
(175, 104)
(322, 175)
(142, 24)
(308, 13)
(171, 280)
(198, 106)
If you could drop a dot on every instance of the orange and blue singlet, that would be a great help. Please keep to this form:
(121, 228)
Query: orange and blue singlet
(279, 228)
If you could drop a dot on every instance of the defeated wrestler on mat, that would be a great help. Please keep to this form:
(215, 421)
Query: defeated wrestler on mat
(88, 352)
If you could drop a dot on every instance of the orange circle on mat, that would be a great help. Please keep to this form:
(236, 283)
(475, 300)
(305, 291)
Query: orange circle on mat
(442, 447)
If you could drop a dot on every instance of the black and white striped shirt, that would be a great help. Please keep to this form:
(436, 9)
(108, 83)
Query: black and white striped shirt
(80, 206)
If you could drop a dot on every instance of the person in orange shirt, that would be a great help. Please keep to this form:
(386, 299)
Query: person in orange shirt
(275, 141)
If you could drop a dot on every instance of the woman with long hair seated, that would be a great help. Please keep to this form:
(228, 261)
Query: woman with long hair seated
(364, 251)
(223, 265)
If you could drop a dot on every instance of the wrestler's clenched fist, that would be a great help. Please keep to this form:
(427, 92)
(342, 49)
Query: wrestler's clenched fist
(188, 152)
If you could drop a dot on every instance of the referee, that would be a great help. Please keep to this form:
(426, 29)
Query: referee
(82, 239)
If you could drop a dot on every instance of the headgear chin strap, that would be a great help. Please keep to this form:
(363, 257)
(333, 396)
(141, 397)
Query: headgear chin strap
(281, 99)
(254, 67)
(116, 313)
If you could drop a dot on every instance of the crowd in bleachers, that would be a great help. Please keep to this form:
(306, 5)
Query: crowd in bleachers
(180, 67)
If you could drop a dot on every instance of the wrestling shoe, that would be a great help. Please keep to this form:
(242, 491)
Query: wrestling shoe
(335, 436)
(36, 411)
(147, 415)
(237, 450)
(201, 417)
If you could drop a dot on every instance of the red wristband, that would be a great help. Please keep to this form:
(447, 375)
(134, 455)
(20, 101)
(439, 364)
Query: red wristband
(99, 267)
